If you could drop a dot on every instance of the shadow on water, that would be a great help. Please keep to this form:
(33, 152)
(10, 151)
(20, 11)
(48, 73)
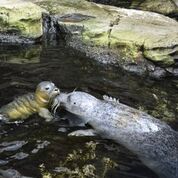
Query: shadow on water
(37, 149)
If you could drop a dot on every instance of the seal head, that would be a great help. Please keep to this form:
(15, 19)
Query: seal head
(78, 103)
(45, 92)
(39, 102)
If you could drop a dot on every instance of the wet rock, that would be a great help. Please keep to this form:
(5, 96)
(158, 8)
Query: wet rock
(136, 69)
(50, 30)
(131, 35)
(14, 38)
(20, 21)
(158, 73)
(172, 71)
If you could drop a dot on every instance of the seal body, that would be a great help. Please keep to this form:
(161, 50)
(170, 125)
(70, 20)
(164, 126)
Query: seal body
(155, 143)
(26, 105)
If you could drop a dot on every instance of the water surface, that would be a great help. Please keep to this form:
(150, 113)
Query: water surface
(37, 149)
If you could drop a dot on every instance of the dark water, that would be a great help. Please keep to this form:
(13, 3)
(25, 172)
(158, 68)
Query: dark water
(37, 149)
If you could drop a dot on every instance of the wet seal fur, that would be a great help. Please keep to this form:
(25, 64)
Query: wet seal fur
(155, 143)
(28, 104)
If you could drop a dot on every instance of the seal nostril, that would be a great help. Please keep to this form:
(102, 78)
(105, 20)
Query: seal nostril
(56, 89)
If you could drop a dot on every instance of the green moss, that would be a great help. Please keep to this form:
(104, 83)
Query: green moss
(98, 39)
(159, 56)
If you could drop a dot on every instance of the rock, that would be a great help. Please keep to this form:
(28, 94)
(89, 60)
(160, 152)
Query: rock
(158, 73)
(166, 7)
(128, 35)
(20, 20)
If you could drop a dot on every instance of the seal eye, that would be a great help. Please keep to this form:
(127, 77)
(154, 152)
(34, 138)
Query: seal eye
(47, 88)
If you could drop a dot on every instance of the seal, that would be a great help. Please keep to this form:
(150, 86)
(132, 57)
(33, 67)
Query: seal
(38, 102)
(152, 140)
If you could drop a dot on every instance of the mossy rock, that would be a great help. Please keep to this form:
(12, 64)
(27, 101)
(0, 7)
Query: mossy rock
(131, 32)
(21, 18)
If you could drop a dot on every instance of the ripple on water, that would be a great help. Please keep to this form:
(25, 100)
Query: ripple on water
(11, 173)
(20, 155)
(11, 146)
(40, 145)
(69, 69)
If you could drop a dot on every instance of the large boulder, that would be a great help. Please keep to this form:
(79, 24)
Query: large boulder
(131, 35)
(20, 19)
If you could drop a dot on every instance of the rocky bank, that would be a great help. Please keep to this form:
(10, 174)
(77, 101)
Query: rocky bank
(142, 42)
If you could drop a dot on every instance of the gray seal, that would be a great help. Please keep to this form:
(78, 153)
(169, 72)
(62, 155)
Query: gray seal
(155, 142)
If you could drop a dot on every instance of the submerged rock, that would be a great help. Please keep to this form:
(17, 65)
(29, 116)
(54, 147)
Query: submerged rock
(126, 36)
(20, 21)
(11, 173)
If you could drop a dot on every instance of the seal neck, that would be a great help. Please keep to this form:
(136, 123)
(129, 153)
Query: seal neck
(42, 98)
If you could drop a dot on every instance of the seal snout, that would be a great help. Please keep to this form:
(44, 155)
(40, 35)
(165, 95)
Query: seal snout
(59, 100)
(56, 91)
(62, 98)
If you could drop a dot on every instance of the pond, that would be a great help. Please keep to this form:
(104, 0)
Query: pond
(38, 149)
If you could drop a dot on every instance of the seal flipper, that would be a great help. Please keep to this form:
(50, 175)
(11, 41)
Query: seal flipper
(110, 99)
(45, 113)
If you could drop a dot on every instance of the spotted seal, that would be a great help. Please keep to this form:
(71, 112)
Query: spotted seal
(154, 141)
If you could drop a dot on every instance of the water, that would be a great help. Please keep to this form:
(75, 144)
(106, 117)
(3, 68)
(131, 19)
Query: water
(38, 149)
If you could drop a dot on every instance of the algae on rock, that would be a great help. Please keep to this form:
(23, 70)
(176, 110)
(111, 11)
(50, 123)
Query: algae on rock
(21, 18)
